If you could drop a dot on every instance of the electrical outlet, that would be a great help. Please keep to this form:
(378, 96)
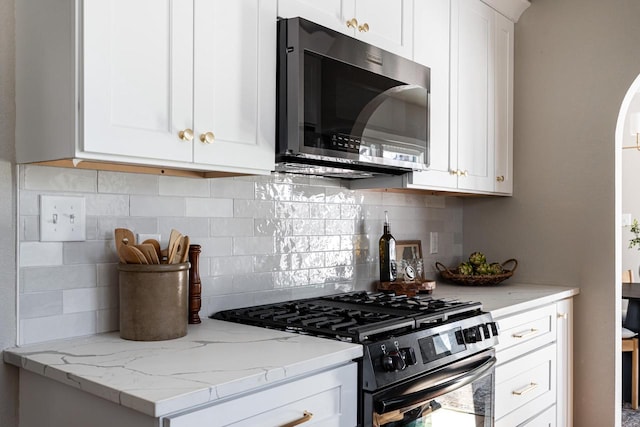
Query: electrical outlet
(62, 219)
(141, 237)
(433, 246)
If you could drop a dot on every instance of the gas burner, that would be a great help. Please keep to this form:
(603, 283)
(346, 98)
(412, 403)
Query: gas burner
(353, 316)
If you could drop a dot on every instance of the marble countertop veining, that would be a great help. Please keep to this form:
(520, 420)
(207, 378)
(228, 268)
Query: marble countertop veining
(219, 359)
(214, 360)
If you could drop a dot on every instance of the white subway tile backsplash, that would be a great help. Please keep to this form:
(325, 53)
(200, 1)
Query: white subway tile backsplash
(57, 327)
(184, 187)
(40, 279)
(242, 188)
(89, 252)
(214, 246)
(257, 245)
(89, 299)
(221, 266)
(40, 304)
(127, 183)
(44, 178)
(210, 208)
(263, 239)
(231, 227)
(254, 209)
(157, 206)
(34, 254)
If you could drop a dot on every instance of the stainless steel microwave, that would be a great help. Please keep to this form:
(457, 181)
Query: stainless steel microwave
(346, 108)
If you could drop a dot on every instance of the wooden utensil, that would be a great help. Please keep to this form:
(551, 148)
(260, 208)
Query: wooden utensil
(123, 236)
(182, 253)
(149, 253)
(132, 255)
(174, 241)
(156, 246)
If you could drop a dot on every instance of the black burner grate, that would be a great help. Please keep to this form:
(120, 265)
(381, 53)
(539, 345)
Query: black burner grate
(354, 316)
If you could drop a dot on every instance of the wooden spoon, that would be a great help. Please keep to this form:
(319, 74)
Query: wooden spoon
(182, 252)
(156, 246)
(124, 236)
(149, 252)
(174, 241)
(132, 255)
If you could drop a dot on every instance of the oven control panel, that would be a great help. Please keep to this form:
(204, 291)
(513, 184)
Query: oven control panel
(416, 352)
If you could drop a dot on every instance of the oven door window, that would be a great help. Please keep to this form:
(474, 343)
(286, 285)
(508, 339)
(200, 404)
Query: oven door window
(461, 401)
(362, 115)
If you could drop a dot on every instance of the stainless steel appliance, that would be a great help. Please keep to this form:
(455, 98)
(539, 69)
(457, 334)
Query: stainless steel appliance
(346, 108)
(427, 362)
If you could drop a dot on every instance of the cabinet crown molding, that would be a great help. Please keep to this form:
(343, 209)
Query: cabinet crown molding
(512, 9)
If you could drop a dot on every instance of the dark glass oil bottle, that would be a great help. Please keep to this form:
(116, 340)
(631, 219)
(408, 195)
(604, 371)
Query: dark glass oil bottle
(387, 247)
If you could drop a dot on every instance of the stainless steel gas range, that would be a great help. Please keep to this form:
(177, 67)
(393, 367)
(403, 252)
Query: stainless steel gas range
(427, 361)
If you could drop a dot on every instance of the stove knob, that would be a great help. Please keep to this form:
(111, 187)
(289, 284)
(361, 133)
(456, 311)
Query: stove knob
(494, 328)
(393, 361)
(485, 331)
(471, 335)
(409, 355)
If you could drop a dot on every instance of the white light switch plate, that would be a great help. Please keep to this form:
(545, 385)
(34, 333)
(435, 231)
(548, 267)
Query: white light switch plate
(62, 219)
(626, 219)
(433, 242)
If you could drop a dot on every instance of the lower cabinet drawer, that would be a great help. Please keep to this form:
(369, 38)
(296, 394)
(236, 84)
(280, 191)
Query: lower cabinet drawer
(330, 397)
(525, 332)
(525, 386)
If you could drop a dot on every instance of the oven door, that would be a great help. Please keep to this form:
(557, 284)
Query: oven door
(460, 394)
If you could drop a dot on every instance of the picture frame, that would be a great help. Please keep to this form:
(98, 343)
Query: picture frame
(408, 249)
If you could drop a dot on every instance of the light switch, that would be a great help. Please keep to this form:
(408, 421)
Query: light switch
(626, 219)
(62, 219)
(433, 244)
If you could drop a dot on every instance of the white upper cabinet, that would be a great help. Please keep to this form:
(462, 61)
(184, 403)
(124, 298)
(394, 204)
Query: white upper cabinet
(471, 145)
(431, 48)
(387, 24)
(188, 84)
(504, 105)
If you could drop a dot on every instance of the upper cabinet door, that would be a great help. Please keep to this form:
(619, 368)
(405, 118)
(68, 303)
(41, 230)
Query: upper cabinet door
(504, 105)
(138, 77)
(234, 84)
(473, 93)
(431, 48)
(387, 24)
(332, 14)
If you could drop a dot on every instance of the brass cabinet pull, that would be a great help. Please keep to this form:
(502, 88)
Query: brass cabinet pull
(459, 172)
(564, 316)
(186, 135)
(352, 23)
(363, 28)
(500, 178)
(524, 334)
(207, 138)
(527, 389)
(306, 416)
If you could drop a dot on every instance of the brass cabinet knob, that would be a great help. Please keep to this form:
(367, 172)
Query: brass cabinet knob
(500, 178)
(207, 138)
(363, 28)
(186, 135)
(352, 23)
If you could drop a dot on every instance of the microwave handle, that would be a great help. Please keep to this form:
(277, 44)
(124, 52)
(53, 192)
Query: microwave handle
(401, 402)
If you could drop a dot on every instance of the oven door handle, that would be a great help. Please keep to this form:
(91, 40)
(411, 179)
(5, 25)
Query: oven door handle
(411, 399)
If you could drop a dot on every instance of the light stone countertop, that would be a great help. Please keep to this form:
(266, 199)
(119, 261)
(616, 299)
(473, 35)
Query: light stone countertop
(507, 297)
(214, 360)
(219, 359)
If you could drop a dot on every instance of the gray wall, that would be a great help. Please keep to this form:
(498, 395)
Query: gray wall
(8, 375)
(575, 60)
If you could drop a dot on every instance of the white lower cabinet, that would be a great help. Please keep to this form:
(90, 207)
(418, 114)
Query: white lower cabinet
(325, 399)
(533, 373)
